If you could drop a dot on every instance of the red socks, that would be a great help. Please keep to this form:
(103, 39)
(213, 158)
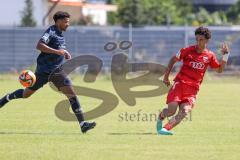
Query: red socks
(168, 126)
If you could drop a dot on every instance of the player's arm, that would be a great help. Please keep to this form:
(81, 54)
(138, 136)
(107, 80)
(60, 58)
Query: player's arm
(178, 57)
(171, 63)
(225, 52)
(46, 49)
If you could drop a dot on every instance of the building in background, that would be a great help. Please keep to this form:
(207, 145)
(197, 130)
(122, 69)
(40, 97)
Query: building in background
(44, 9)
(82, 9)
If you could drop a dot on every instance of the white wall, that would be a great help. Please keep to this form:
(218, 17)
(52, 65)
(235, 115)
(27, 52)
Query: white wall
(11, 11)
(98, 16)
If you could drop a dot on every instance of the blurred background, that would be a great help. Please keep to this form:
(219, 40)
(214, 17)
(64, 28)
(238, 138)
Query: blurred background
(157, 28)
(30, 129)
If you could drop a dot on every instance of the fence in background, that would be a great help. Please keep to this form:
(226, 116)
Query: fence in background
(150, 44)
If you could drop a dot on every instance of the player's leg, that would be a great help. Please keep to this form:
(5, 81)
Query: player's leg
(64, 84)
(76, 108)
(174, 96)
(169, 111)
(184, 109)
(25, 93)
(188, 99)
(20, 93)
(14, 95)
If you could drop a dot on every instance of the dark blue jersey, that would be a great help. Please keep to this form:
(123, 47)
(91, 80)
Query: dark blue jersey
(47, 62)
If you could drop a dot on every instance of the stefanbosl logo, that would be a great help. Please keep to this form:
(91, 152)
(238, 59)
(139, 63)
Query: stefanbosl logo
(122, 84)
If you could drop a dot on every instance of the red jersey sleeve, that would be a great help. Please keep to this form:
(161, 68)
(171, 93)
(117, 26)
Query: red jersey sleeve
(181, 54)
(214, 62)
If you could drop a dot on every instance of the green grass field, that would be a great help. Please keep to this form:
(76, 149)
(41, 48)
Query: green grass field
(30, 130)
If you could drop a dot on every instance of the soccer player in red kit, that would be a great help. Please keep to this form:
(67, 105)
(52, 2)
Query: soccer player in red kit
(196, 59)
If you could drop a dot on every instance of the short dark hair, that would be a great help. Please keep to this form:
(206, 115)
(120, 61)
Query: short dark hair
(60, 15)
(203, 31)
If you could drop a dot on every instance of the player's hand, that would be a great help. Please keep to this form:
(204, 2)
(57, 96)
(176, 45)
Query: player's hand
(61, 52)
(166, 81)
(225, 48)
(67, 55)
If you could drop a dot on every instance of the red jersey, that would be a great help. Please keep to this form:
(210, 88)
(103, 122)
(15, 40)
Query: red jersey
(195, 65)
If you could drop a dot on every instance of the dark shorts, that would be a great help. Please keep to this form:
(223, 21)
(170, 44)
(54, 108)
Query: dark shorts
(57, 77)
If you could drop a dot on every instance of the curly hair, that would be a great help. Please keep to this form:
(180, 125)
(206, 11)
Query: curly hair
(60, 15)
(203, 31)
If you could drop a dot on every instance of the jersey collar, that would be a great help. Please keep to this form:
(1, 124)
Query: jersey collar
(57, 30)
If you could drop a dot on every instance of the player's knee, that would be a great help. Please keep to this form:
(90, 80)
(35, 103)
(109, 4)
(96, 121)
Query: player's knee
(184, 112)
(68, 91)
(26, 95)
(171, 112)
(172, 108)
(187, 109)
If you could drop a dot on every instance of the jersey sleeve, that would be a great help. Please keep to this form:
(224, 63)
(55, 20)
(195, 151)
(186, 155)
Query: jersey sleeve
(181, 54)
(214, 62)
(46, 38)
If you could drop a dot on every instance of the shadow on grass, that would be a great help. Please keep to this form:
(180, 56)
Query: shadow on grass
(133, 133)
(59, 133)
(35, 133)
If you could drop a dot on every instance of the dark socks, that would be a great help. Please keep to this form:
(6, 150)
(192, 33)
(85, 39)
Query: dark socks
(16, 94)
(3, 101)
(77, 109)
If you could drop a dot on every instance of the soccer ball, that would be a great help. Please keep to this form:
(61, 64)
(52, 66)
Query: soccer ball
(27, 78)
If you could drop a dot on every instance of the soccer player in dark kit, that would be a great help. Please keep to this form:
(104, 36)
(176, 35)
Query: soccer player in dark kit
(53, 52)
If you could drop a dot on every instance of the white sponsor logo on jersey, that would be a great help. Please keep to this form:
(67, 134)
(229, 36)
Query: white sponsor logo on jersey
(46, 37)
(205, 59)
(197, 65)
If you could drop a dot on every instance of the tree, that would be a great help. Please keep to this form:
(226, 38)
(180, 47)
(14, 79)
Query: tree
(233, 14)
(27, 15)
(203, 17)
(131, 12)
(184, 9)
(152, 12)
(219, 18)
(112, 16)
(164, 12)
